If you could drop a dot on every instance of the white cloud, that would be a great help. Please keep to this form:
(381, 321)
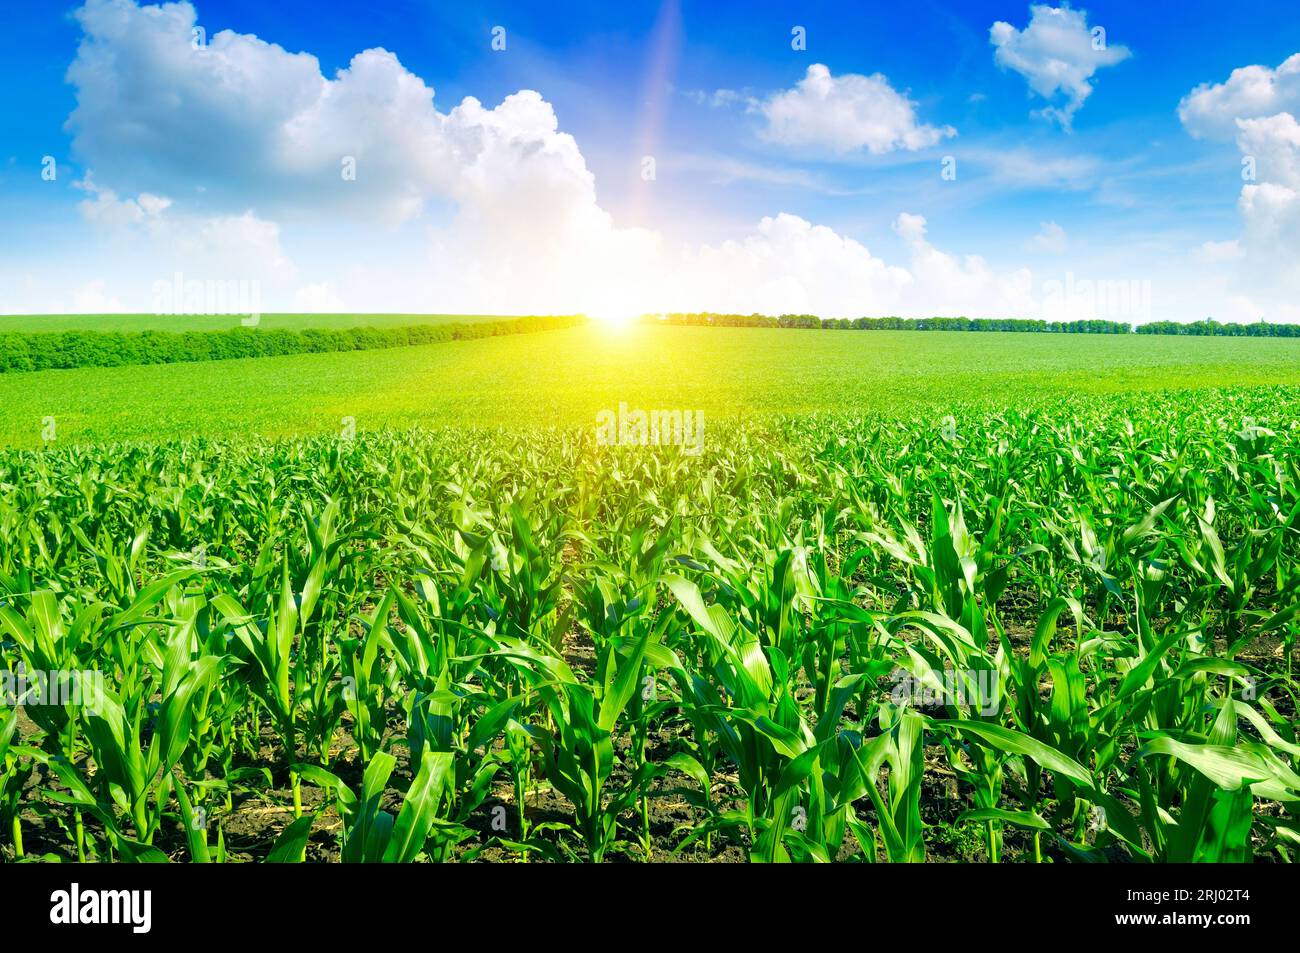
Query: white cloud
(1268, 266)
(1057, 54)
(1213, 253)
(243, 245)
(1253, 106)
(1274, 141)
(244, 136)
(789, 265)
(961, 287)
(1212, 110)
(848, 113)
(1022, 168)
(92, 299)
(1050, 238)
(911, 228)
(719, 98)
(247, 121)
(161, 241)
(106, 208)
(320, 298)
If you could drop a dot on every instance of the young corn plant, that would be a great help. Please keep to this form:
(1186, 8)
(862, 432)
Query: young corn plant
(578, 756)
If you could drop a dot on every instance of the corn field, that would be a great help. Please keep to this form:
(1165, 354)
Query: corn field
(1064, 633)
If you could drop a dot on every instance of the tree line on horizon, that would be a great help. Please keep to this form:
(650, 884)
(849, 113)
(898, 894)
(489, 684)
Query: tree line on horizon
(1207, 328)
(63, 350)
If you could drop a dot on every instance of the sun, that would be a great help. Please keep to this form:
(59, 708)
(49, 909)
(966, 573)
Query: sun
(616, 315)
(616, 322)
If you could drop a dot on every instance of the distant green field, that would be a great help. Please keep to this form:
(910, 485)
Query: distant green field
(218, 322)
(565, 377)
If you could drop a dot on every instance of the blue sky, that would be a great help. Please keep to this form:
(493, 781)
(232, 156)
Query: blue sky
(783, 178)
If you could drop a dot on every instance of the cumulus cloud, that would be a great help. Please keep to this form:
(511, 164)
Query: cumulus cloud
(847, 113)
(1212, 110)
(242, 245)
(966, 286)
(1274, 142)
(104, 207)
(1254, 107)
(93, 299)
(1057, 54)
(247, 121)
(789, 265)
(1050, 238)
(244, 136)
(1270, 263)
(163, 241)
(319, 298)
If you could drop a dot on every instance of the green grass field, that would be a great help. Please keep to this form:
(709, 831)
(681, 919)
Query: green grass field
(919, 596)
(565, 377)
